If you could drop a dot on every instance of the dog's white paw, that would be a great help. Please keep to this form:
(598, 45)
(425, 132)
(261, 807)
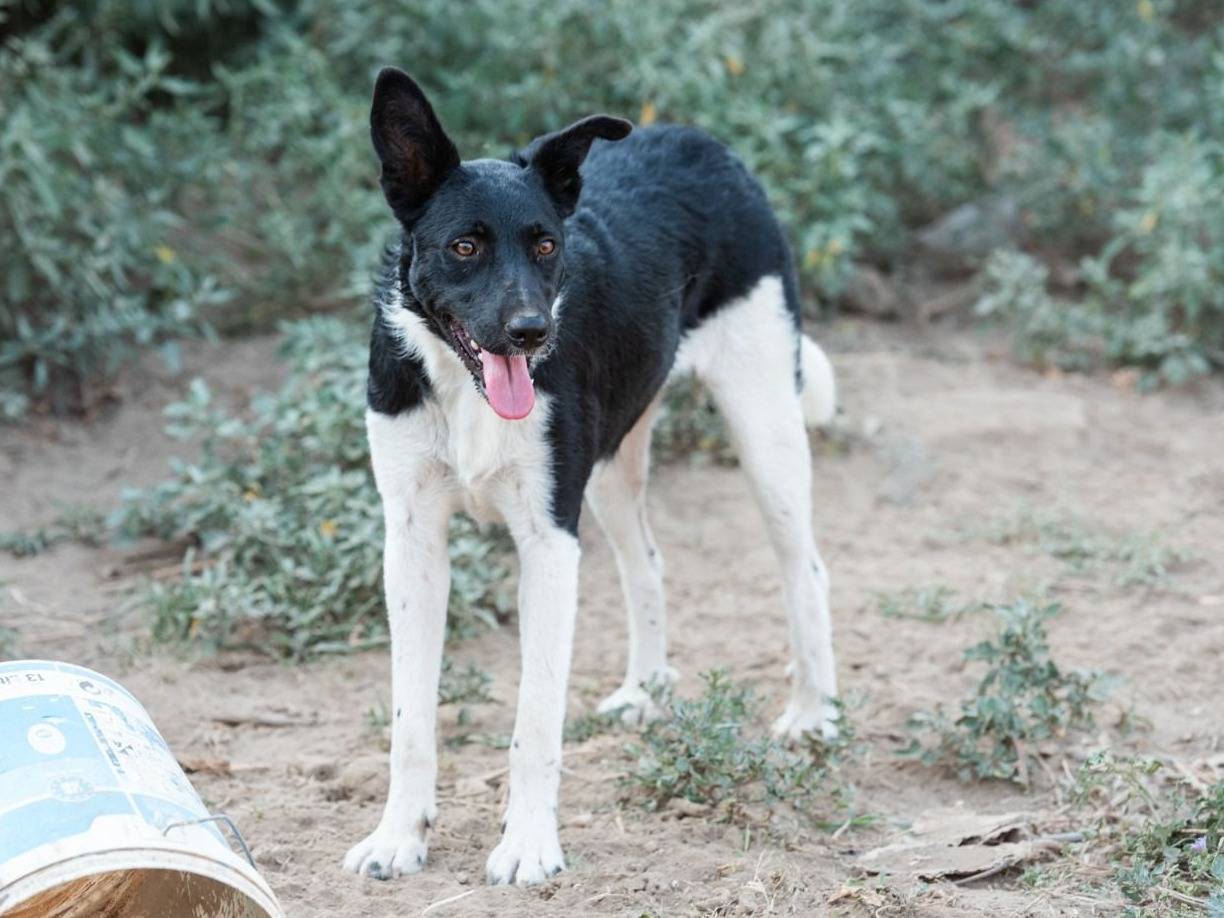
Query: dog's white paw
(385, 854)
(528, 853)
(798, 721)
(634, 702)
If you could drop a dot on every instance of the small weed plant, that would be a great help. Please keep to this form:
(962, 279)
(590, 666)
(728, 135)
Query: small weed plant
(934, 604)
(1178, 860)
(1163, 836)
(1132, 559)
(708, 751)
(74, 524)
(591, 724)
(463, 685)
(1024, 699)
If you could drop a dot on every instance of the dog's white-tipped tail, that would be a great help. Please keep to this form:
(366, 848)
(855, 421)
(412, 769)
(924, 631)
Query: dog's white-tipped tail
(819, 385)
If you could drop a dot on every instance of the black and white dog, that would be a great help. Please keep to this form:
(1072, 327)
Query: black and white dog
(532, 314)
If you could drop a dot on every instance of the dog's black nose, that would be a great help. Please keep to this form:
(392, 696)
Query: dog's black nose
(528, 330)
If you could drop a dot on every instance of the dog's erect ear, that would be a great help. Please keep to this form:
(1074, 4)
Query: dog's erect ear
(415, 152)
(556, 157)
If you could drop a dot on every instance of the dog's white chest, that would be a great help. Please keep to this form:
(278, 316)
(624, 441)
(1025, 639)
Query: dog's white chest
(482, 452)
(500, 468)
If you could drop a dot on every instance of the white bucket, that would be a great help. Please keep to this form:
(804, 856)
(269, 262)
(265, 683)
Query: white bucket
(96, 816)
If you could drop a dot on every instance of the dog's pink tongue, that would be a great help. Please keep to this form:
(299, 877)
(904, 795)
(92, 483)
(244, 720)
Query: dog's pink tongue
(508, 385)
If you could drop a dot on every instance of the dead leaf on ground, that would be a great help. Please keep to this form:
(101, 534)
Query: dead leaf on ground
(202, 764)
(683, 808)
(861, 894)
(951, 842)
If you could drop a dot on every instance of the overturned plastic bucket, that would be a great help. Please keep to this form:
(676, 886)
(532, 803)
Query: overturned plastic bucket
(96, 816)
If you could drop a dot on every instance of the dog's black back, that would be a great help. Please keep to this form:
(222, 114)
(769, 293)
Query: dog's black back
(670, 227)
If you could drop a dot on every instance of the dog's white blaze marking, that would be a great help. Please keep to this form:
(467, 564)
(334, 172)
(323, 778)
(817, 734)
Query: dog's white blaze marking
(745, 354)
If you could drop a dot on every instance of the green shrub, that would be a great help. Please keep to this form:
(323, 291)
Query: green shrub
(89, 231)
(1046, 331)
(1160, 280)
(281, 518)
(205, 161)
(1023, 699)
(1154, 294)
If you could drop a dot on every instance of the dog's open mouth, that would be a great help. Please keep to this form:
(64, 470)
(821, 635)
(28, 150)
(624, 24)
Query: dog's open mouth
(504, 380)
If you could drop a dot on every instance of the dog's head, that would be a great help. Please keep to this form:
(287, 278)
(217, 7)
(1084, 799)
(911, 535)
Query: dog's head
(487, 236)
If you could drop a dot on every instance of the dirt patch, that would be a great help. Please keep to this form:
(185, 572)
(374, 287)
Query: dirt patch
(948, 439)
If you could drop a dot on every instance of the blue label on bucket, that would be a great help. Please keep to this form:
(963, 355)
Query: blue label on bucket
(75, 746)
(56, 779)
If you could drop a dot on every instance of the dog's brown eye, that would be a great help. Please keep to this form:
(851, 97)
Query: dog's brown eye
(546, 246)
(464, 248)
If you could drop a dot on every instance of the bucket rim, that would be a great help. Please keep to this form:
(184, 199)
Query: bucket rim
(63, 666)
(140, 857)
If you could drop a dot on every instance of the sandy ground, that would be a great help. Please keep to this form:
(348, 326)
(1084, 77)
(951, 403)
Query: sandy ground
(949, 441)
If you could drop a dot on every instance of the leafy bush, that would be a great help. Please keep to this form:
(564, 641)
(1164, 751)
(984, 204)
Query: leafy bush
(88, 219)
(1023, 699)
(167, 165)
(281, 519)
(1047, 332)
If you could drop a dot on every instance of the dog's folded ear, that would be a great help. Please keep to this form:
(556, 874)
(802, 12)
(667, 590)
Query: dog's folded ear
(415, 153)
(557, 157)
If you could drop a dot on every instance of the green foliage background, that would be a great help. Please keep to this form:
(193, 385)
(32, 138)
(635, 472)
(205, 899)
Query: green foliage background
(169, 167)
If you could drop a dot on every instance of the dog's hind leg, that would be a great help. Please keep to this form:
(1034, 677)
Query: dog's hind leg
(416, 572)
(616, 494)
(747, 359)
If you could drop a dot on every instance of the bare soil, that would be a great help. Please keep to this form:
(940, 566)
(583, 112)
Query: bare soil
(948, 441)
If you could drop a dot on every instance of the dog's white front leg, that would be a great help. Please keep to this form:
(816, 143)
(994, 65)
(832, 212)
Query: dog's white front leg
(530, 851)
(416, 572)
